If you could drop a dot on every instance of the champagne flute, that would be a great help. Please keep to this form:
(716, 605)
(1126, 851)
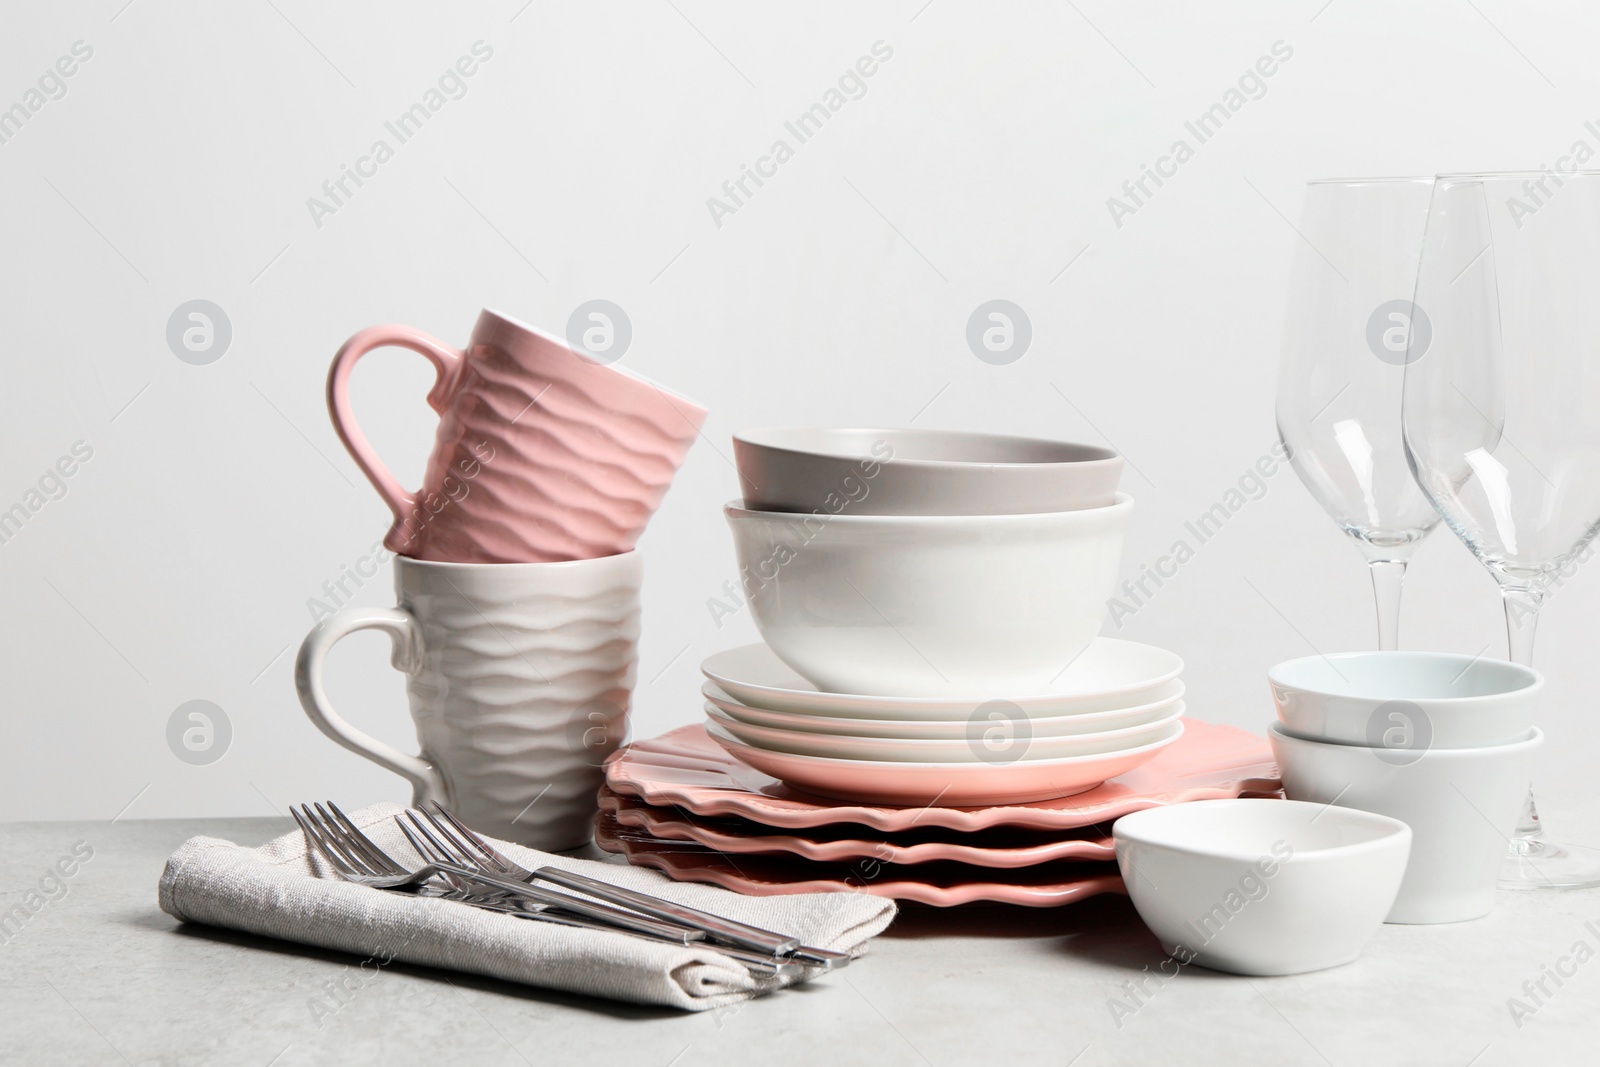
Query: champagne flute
(1349, 330)
(1501, 414)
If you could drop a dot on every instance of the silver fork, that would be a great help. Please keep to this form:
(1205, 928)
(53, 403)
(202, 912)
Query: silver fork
(430, 849)
(467, 848)
(355, 858)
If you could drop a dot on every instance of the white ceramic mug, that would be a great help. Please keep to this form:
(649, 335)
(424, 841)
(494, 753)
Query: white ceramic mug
(519, 677)
(1461, 804)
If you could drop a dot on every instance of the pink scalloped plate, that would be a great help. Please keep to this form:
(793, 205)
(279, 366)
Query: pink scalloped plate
(1000, 847)
(684, 767)
(941, 884)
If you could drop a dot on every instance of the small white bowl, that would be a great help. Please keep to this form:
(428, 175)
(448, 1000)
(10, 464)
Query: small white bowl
(998, 741)
(1462, 806)
(1160, 703)
(1407, 700)
(1261, 887)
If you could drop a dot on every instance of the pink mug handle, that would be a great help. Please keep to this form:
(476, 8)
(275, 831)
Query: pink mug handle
(446, 361)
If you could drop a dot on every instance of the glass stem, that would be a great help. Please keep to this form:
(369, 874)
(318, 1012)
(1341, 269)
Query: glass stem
(1387, 576)
(1522, 620)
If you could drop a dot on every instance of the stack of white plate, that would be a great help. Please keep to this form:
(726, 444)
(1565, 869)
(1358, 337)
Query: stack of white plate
(1117, 705)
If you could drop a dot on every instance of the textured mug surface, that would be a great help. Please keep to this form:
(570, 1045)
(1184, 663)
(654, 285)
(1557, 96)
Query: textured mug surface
(519, 678)
(541, 455)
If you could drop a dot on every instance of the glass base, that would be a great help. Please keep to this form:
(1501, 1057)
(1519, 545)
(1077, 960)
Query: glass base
(1536, 862)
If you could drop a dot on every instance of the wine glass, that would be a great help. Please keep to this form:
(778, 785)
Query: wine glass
(1348, 332)
(1501, 413)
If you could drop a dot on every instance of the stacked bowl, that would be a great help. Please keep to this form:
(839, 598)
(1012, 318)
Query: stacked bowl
(1444, 743)
(930, 603)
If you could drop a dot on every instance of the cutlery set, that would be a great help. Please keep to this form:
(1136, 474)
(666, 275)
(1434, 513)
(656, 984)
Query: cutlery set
(460, 865)
(932, 713)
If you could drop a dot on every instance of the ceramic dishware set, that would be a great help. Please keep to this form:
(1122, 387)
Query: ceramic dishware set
(930, 604)
(932, 714)
(517, 584)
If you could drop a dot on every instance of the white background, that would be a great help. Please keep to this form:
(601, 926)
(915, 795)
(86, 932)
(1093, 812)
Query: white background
(976, 166)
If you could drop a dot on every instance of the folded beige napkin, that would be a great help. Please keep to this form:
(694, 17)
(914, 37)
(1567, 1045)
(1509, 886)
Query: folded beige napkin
(276, 891)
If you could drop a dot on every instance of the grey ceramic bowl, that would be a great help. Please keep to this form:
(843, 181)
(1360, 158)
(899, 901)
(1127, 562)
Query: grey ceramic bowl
(920, 472)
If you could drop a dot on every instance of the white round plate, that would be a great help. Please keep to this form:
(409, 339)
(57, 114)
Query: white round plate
(937, 785)
(987, 742)
(1163, 699)
(1109, 674)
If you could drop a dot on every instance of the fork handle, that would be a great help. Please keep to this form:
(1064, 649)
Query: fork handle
(769, 966)
(669, 931)
(726, 930)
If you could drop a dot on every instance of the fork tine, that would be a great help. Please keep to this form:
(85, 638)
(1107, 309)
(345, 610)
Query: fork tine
(316, 844)
(365, 844)
(428, 853)
(422, 847)
(464, 853)
(317, 834)
(431, 853)
(466, 831)
(334, 834)
(438, 845)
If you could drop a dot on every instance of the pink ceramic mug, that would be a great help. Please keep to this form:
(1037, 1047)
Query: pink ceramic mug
(542, 454)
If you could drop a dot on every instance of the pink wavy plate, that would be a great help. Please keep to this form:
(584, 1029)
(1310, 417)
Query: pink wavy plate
(942, 885)
(993, 848)
(685, 767)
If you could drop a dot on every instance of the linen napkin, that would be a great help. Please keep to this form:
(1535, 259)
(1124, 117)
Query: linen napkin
(281, 890)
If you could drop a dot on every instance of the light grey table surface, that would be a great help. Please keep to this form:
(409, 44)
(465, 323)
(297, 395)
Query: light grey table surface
(102, 976)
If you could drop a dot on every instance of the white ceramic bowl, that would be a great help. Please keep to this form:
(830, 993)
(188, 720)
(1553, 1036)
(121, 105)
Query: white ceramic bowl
(1002, 738)
(1406, 700)
(1110, 674)
(981, 606)
(1261, 886)
(1164, 701)
(1461, 804)
(946, 785)
(919, 472)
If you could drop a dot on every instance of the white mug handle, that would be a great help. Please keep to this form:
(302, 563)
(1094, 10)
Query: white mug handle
(406, 640)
